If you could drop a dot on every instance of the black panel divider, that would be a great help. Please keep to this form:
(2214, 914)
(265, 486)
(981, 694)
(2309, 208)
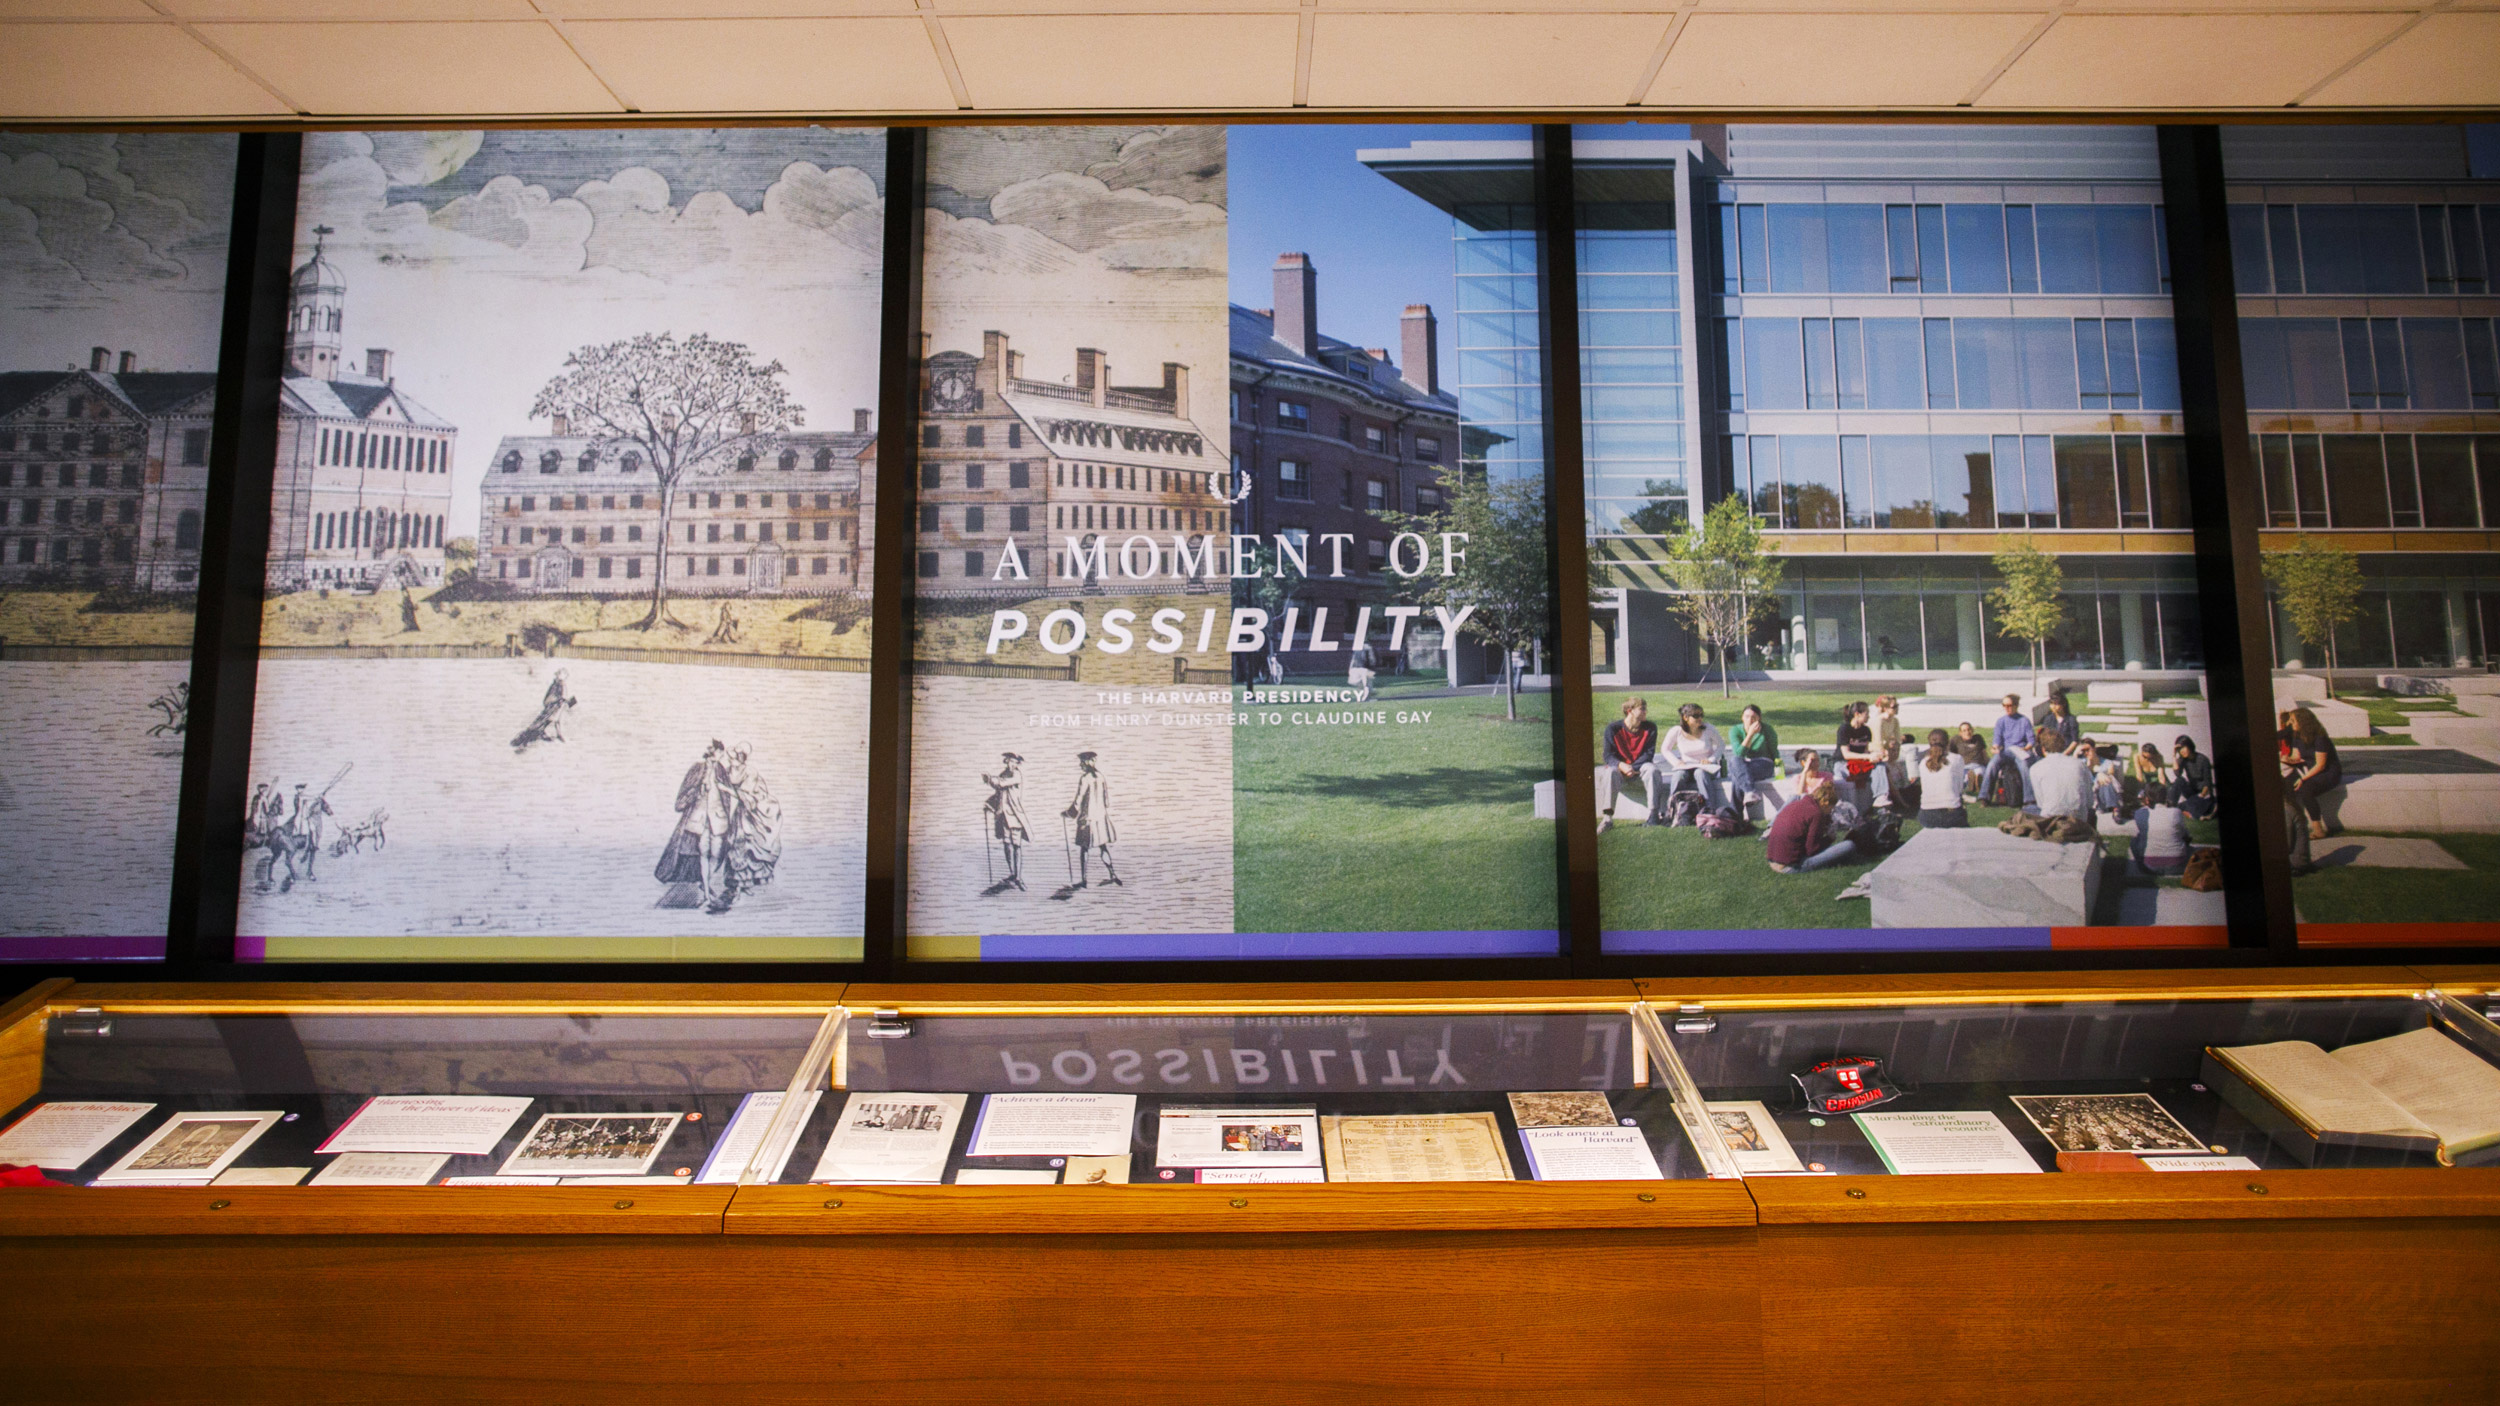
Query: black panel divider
(234, 552)
(892, 629)
(2226, 499)
(1566, 526)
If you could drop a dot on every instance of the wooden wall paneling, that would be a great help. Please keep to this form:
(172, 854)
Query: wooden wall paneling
(74, 1213)
(2270, 1313)
(2301, 1193)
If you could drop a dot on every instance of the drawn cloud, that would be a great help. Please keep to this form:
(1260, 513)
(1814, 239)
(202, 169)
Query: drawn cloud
(85, 218)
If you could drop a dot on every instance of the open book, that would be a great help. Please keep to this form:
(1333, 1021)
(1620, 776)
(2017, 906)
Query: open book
(2419, 1091)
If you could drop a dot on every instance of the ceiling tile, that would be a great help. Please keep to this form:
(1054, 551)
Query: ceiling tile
(350, 9)
(1490, 61)
(77, 10)
(950, 8)
(120, 70)
(722, 9)
(1127, 61)
(417, 70)
(1833, 60)
(769, 65)
(2183, 61)
(2445, 61)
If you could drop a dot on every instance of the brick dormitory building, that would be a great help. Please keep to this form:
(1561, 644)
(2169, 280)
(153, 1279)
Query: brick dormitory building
(1330, 436)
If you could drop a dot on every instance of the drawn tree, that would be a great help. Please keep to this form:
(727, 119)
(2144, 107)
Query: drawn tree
(1501, 528)
(1724, 579)
(687, 407)
(2318, 584)
(459, 559)
(2027, 604)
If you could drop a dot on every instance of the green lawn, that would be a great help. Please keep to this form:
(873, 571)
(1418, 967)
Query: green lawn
(2359, 895)
(1424, 827)
(1654, 878)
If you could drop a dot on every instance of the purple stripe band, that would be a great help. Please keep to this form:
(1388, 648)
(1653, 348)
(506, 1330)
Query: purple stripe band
(1235, 946)
(82, 949)
(1693, 940)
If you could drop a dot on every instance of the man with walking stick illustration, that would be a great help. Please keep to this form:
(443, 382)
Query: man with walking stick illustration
(1002, 820)
(1091, 810)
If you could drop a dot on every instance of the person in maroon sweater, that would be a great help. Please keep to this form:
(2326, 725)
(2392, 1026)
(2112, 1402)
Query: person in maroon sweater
(1630, 745)
(1800, 839)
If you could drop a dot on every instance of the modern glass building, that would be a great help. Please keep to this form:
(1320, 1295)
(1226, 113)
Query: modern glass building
(2364, 257)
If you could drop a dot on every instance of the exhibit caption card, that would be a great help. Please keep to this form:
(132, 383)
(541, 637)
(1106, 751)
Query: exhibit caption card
(1753, 1138)
(467, 1125)
(591, 1145)
(1006, 1176)
(745, 1133)
(67, 1134)
(1944, 1144)
(1589, 1154)
(1237, 1137)
(1054, 1125)
(1426, 1147)
(382, 1169)
(891, 1137)
(191, 1147)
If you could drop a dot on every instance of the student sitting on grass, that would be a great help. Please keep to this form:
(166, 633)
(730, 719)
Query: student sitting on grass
(1696, 754)
(2160, 845)
(2107, 778)
(1800, 840)
(1973, 750)
(2061, 784)
(1854, 748)
(1630, 745)
(1941, 772)
(2192, 779)
(2017, 747)
(1757, 748)
(2147, 781)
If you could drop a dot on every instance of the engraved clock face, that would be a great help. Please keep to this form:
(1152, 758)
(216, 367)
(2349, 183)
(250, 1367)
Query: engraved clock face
(950, 390)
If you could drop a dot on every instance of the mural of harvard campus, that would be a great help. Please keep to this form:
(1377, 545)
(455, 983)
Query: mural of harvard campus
(112, 275)
(557, 479)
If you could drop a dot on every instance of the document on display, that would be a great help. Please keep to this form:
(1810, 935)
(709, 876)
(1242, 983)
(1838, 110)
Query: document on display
(261, 1176)
(191, 1148)
(1753, 1138)
(1006, 1176)
(1237, 1137)
(1944, 1144)
(464, 1124)
(2201, 1164)
(1054, 1125)
(67, 1134)
(745, 1134)
(891, 1137)
(1239, 1176)
(1589, 1154)
(382, 1169)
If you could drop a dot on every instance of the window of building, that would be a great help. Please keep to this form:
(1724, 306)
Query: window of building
(607, 534)
(1019, 475)
(1019, 518)
(1345, 490)
(588, 463)
(746, 463)
(1293, 479)
(1375, 439)
(974, 519)
(187, 530)
(711, 566)
(928, 566)
(929, 438)
(789, 460)
(1375, 495)
(975, 475)
(975, 436)
(195, 448)
(972, 564)
(633, 565)
(711, 531)
(928, 517)
(1293, 415)
(550, 461)
(1375, 555)
(929, 476)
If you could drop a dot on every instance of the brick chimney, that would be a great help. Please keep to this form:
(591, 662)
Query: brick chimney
(859, 422)
(1093, 370)
(559, 425)
(997, 357)
(1176, 385)
(98, 358)
(1297, 304)
(1420, 349)
(378, 363)
(129, 362)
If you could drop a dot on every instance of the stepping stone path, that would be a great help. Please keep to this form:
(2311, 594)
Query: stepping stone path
(2381, 852)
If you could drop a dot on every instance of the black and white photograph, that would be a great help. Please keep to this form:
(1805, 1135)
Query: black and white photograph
(191, 1147)
(592, 1144)
(2106, 1123)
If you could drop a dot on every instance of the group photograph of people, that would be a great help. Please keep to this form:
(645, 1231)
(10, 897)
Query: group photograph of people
(1766, 809)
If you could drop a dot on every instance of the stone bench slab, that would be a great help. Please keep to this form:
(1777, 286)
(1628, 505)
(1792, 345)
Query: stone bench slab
(1984, 878)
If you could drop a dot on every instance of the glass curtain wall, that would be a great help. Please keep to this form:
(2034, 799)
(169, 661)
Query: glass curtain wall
(2364, 258)
(565, 647)
(1230, 554)
(111, 292)
(1929, 483)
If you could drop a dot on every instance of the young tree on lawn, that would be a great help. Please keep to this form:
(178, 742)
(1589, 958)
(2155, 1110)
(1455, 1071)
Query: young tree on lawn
(685, 407)
(2027, 605)
(2318, 584)
(1724, 579)
(1261, 585)
(1501, 582)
